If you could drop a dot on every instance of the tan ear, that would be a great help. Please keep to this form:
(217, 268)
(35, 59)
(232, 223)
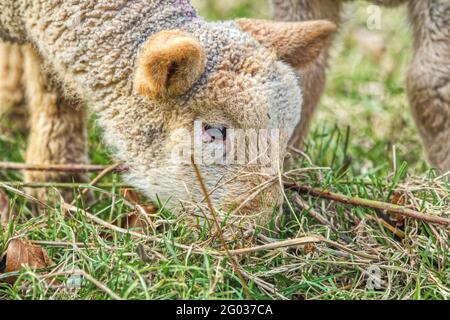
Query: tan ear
(297, 43)
(169, 64)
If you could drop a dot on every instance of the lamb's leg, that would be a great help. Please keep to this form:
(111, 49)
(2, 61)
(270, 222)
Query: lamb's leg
(313, 79)
(57, 128)
(428, 80)
(12, 93)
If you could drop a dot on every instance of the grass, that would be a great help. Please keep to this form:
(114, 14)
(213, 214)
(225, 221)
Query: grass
(363, 134)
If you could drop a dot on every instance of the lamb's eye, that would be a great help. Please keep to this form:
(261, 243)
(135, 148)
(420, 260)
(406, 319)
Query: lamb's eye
(214, 133)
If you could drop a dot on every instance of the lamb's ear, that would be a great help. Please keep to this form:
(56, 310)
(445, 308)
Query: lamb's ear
(168, 65)
(297, 43)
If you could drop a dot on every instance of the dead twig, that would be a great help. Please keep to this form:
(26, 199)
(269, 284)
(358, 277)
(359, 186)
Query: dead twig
(278, 245)
(63, 185)
(72, 168)
(300, 242)
(61, 244)
(356, 201)
(219, 229)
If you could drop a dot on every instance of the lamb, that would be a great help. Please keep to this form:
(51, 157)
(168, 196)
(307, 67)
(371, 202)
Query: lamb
(428, 79)
(156, 74)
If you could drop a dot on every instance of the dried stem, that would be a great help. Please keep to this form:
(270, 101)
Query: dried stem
(63, 185)
(219, 229)
(72, 168)
(356, 201)
(299, 242)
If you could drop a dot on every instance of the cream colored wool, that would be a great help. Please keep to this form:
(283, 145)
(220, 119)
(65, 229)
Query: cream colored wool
(428, 79)
(99, 53)
(12, 95)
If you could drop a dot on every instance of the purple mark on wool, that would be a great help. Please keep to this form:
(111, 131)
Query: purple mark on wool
(187, 7)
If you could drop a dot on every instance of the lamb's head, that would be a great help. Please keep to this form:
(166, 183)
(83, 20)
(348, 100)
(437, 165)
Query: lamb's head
(226, 96)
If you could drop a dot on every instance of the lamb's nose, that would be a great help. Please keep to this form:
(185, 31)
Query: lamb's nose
(211, 134)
